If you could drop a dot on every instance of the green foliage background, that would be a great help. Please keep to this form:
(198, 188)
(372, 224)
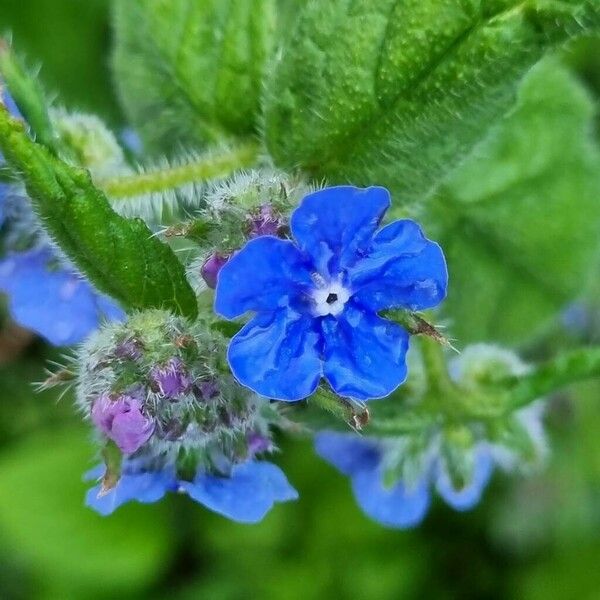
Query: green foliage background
(531, 538)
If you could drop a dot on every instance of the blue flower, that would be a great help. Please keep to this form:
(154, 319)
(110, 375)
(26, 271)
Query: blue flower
(402, 505)
(245, 496)
(53, 301)
(316, 299)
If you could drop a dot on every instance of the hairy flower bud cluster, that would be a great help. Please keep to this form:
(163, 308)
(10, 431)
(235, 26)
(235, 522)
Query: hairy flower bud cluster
(393, 477)
(92, 144)
(515, 441)
(250, 205)
(157, 386)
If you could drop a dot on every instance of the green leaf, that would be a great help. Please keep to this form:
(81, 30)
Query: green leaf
(398, 93)
(190, 72)
(120, 256)
(519, 222)
(43, 517)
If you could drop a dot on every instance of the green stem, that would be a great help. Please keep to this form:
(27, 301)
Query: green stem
(202, 169)
(395, 417)
(567, 368)
(434, 363)
(28, 94)
(385, 422)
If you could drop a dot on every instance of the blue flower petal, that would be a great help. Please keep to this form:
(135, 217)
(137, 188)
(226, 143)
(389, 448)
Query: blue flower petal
(266, 274)
(4, 189)
(360, 458)
(277, 355)
(57, 304)
(94, 474)
(247, 495)
(334, 226)
(145, 487)
(346, 452)
(11, 105)
(469, 496)
(399, 507)
(364, 356)
(109, 309)
(403, 269)
(13, 109)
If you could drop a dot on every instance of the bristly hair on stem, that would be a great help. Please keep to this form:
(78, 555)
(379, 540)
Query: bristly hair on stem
(160, 188)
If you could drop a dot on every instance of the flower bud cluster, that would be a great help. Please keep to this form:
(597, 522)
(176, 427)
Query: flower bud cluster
(159, 389)
(513, 442)
(92, 144)
(250, 205)
(394, 477)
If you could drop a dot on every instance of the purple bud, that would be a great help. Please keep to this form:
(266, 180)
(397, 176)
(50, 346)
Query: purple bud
(122, 421)
(224, 416)
(171, 379)
(264, 222)
(173, 429)
(211, 267)
(130, 349)
(207, 390)
(257, 443)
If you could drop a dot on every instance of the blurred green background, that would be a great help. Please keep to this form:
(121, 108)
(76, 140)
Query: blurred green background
(534, 538)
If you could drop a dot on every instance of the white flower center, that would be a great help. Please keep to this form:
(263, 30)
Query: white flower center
(330, 299)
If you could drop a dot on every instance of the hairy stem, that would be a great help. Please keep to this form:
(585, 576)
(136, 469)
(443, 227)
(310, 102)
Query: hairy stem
(434, 363)
(202, 169)
(567, 368)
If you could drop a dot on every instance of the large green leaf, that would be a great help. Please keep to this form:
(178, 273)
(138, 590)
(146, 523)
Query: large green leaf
(397, 93)
(120, 256)
(520, 221)
(44, 520)
(190, 71)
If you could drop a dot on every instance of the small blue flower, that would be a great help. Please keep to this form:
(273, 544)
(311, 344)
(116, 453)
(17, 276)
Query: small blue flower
(245, 496)
(53, 301)
(400, 506)
(316, 300)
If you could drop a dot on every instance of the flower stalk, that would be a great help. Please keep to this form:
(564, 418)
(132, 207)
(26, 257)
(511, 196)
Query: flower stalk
(563, 370)
(204, 168)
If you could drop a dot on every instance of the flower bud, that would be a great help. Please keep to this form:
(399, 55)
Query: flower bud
(211, 267)
(128, 349)
(207, 390)
(93, 145)
(121, 420)
(265, 221)
(258, 443)
(171, 379)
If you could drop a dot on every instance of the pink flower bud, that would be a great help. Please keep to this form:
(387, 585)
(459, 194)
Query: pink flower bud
(121, 420)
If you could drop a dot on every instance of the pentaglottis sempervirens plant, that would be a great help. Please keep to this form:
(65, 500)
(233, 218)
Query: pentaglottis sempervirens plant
(274, 247)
